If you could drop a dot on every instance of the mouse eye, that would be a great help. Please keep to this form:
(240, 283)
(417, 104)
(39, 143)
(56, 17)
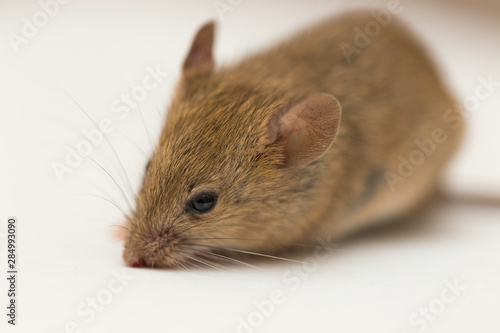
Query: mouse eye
(202, 202)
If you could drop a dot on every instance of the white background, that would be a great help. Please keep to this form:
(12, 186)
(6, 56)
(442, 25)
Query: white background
(67, 253)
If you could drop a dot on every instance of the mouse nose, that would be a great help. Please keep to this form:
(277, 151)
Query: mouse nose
(138, 263)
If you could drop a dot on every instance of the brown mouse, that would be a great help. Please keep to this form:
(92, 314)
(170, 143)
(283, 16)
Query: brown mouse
(292, 144)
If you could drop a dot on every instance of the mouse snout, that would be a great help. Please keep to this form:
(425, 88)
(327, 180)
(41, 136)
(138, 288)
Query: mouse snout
(138, 263)
(134, 258)
(139, 259)
(144, 251)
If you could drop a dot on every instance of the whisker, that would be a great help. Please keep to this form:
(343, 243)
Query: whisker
(124, 227)
(312, 246)
(133, 143)
(249, 252)
(140, 112)
(200, 261)
(88, 181)
(186, 229)
(103, 198)
(104, 136)
(233, 260)
(114, 181)
(116, 225)
(193, 264)
(179, 264)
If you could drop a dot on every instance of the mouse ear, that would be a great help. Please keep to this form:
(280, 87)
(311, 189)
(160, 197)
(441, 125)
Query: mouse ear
(200, 59)
(304, 130)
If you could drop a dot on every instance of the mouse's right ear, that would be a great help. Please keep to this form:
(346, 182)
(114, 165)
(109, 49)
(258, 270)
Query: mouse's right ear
(304, 131)
(200, 57)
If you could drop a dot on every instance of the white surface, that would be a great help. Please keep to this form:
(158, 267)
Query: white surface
(373, 283)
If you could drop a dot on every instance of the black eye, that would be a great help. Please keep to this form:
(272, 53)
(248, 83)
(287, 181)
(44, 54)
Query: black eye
(203, 202)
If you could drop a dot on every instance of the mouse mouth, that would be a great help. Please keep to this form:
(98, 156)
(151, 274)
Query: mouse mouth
(161, 253)
(152, 260)
(185, 256)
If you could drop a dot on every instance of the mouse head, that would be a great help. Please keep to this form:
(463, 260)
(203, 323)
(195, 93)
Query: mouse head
(232, 171)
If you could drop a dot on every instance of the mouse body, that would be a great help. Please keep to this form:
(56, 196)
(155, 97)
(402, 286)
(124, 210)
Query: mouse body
(292, 144)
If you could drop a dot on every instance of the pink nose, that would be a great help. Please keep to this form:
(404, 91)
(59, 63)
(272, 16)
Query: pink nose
(138, 263)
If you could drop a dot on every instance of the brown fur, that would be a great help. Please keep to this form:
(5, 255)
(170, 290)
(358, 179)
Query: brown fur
(215, 138)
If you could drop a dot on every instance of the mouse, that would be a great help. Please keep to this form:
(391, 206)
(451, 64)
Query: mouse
(293, 143)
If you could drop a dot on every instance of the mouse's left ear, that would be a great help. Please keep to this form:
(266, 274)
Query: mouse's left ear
(200, 57)
(305, 130)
